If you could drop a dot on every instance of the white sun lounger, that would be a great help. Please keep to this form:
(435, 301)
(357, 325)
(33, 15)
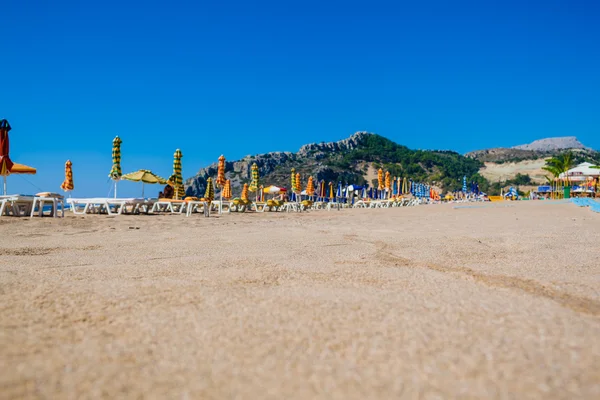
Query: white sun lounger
(111, 206)
(54, 200)
(16, 205)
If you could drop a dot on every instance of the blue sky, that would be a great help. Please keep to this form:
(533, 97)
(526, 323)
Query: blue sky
(239, 78)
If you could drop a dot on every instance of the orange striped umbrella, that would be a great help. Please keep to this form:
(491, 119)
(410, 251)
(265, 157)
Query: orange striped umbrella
(221, 172)
(380, 179)
(245, 192)
(227, 189)
(388, 181)
(68, 185)
(310, 186)
(298, 187)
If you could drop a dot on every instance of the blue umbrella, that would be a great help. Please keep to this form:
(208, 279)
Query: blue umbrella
(370, 193)
(464, 188)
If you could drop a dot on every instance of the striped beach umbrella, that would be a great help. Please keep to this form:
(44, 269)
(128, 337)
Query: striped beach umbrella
(115, 172)
(255, 178)
(68, 185)
(293, 179)
(388, 183)
(227, 189)
(221, 172)
(298, 182)
(209, 195)
(310, 187)
(245, 191)
(176, 180)
(380, 179)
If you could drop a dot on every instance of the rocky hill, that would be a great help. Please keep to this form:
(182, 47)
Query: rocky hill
(553, 144)
(352, 160)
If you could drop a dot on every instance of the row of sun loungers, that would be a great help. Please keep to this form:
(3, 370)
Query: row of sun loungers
(587, 202)
(24, 205)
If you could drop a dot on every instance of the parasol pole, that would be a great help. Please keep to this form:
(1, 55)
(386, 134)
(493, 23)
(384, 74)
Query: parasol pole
(142, 189)
(4, 179)
(115, 189)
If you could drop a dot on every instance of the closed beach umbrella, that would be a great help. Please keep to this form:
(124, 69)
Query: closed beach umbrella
(322, 190)
(7, 166)
(177, 177)
(331, 194)
(227, 189)
(209, 195)
(388, 182)
(68, 185)
(293, 180)
(115, 172)
(221, 172)
(245, 190)
(255, 178)
(310, 187)
(464, 187)
(298, 183)
(380, 179)
(144, 176)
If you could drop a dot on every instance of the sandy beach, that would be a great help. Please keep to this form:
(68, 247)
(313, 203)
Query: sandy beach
(497, 300)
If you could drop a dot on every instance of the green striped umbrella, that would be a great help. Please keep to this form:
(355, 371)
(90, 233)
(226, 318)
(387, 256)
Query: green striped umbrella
(115, 172)
(177, 177)
(255, 178)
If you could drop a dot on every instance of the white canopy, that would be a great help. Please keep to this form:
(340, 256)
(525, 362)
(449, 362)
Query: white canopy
(581, 172)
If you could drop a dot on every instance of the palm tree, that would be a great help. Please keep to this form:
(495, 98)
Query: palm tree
(560, 164)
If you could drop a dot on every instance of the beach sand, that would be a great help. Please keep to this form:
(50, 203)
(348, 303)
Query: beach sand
(500, 300)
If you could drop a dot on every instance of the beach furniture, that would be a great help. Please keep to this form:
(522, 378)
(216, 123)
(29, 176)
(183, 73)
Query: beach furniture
(16, 205)
(53, 199)
(172, 206)
(110, 206)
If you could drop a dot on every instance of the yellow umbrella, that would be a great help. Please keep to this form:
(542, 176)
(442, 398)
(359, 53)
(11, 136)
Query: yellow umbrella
(144, 176)
(227, 189)
(68, 185)
(210, 190)
(293, 180)
(298, 183)
(255, 178)
(331, 194)
(380, 179)
(310, 186)
(245, 192)
(388, 183)
(177, 178)
(7, 166)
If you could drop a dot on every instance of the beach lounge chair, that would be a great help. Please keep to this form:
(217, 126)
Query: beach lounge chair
(110, 206)
(16, 205)
(169, 205)
(54, 199)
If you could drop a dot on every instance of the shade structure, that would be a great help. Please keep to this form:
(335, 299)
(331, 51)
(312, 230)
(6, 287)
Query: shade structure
(274, 190)
(298, 183)
(331, 194)
(176, 180)
(7, 166)
(255, 178)
(405, 187)
(209, 195)
(245, 191)
(144, 176)
(293, 179)
(5, 162)
(227, 189)
(221, 172)
(67, 184)
(115, 172)
(464, 186)
(388, 182)
(380, 179)
(322, 192)
(310, 187)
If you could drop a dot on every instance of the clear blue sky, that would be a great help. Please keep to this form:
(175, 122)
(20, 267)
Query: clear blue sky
(237, 78)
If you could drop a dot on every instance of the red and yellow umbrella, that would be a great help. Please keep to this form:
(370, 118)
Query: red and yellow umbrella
(310, 186)
(221, 172)
(388, 182)
(298, 187)
(68, 185)
(7, 166)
